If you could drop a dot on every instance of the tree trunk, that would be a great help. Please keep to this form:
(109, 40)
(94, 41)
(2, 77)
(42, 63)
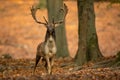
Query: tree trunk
(53, 7)
(88, 48)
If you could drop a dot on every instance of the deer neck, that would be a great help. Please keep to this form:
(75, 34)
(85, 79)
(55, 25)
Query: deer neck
(50, 45)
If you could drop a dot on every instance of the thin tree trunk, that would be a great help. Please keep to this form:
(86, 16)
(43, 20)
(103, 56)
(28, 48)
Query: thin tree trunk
(53, 12)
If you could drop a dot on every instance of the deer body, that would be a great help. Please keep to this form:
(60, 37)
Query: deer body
(46, 50)
(48, 47)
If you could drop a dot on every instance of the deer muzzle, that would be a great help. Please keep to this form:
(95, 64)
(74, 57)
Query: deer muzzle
(51, 39)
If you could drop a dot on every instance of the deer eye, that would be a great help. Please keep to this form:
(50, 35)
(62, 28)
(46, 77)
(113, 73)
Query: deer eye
(49, 32)
(53, 32)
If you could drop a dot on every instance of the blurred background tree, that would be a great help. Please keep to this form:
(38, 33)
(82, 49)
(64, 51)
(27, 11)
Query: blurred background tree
(53, 7)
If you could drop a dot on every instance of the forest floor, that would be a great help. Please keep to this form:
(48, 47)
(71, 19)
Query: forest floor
(64, 69)
(20, 35)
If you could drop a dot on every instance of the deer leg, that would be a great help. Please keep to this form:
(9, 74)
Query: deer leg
(48, 65)
(36, 62)
(52, 63)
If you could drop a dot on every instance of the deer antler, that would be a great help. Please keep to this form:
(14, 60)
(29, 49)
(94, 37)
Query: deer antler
(65, 10)
(33, 12)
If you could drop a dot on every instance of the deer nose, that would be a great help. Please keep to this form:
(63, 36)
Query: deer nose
(50, 41)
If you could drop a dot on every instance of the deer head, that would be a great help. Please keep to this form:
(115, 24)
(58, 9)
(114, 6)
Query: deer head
(49, 25)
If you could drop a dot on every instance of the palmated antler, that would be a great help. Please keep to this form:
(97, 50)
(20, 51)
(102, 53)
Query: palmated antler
(65, 10)
(33, 12)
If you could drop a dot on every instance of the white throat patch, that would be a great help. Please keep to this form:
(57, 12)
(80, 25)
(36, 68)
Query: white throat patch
(50, 47)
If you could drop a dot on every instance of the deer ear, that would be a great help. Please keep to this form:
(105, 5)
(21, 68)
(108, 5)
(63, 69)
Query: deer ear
(58, 23)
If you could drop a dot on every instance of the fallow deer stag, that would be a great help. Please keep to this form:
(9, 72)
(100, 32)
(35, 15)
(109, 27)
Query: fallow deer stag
(46, 50)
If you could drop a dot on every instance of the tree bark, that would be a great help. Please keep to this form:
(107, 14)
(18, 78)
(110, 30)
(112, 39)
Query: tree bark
(53, 7)
(88, 48)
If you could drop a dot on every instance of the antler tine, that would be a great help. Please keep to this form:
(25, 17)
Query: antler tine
(45, 19)
(33, 12)
(65, 10)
